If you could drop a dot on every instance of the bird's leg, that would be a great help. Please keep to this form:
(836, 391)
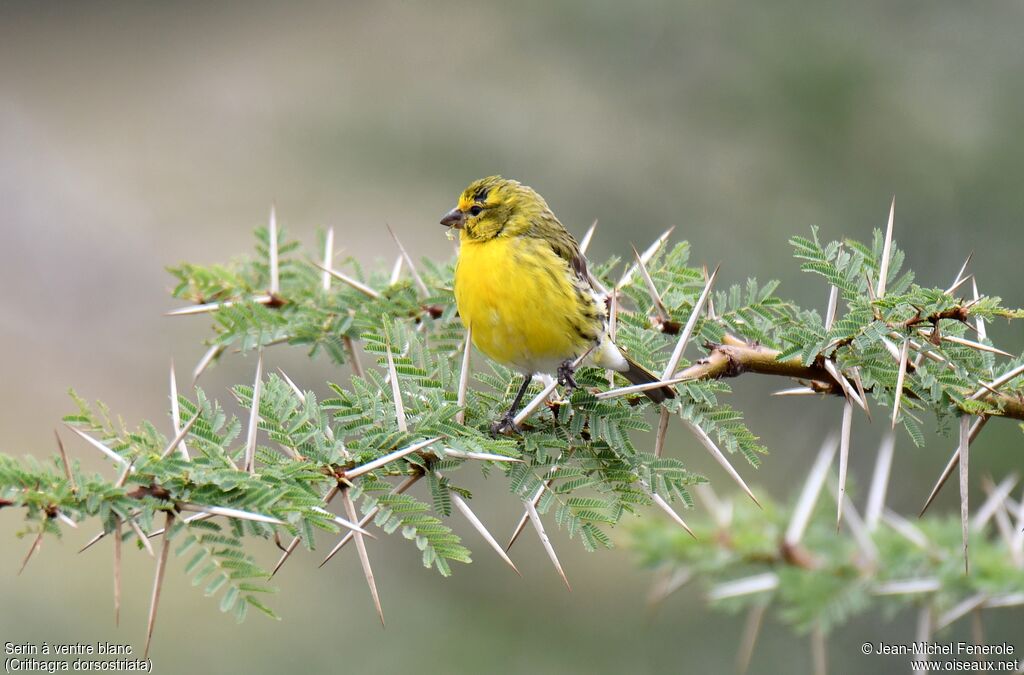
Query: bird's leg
(508, 420)
(565, 376)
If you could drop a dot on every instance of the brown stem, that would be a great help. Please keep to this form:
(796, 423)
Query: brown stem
(735, 357)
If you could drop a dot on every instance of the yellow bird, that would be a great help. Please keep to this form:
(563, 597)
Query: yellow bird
(522, 286)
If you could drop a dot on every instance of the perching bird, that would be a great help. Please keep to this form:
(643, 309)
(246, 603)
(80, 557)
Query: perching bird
(522, 287)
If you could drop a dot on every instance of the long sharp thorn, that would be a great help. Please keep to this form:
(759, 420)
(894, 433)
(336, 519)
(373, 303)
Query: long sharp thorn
(331, 493)
(63, 517)
(526, 514)
(711, 301)
(254, 415)
(859, 530)
(954, 461)
(89, 544)
(344, 278)
(883, 268)
(325, 279)
(879, 482)
(659, 439)
(158, 582)
(652, 290)
(664, 506)
(965, 444)
(100, 446)
(347, 524)
(758, 583)
(294, 387)
(480, 456)
(976, 345)
(117, 571)
(237, 514)
(1007, 534)
(179, 440)
(797, 391)
(960, 275)
(844, 384)
(537, 400)
(587, 237)
(906, 529)
(646, 256)
(998, 382)
(961, 610)
(396, 270)
(64, 460)
(364, 558)
(409, 263)
(996, 498)
(898, 392)
(396, 393)
(670, 581)
(637, 388)
(37, 543)
(812, 488)
(721, 512)
(212, 353)
(752, 628)
(142, 537)
(405, 485)
(908, 586)
(979, 323)
(844, 458)
(354, 473)
(684, 337)
(176, 413)
(959, 282)
(214, 306)
(463, 507)
(862, 395)
(830, 310)
(539, 526)
(1017, 549)
(720, 457)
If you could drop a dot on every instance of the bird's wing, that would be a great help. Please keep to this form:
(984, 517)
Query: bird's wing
(548, 228)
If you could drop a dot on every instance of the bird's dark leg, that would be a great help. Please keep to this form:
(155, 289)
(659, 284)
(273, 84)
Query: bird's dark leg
(508, 420)
(565, 376)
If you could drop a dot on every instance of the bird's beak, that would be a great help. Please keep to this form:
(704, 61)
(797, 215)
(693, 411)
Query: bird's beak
(454, 218)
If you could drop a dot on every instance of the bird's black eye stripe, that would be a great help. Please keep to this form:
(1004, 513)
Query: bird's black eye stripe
(475, 210)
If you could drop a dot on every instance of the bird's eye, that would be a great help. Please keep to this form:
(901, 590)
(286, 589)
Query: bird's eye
(475, 211)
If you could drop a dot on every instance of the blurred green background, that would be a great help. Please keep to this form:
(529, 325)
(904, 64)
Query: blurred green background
(137, 135)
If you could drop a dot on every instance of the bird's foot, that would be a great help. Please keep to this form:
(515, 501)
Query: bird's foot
(565, 377)
(507, 424)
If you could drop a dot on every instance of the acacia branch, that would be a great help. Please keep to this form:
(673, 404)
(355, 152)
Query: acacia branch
(735, 357)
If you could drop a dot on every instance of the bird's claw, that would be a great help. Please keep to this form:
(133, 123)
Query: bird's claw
(507, 424)
(565, 377)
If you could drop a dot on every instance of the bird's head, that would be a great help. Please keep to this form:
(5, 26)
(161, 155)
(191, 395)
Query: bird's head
(494, 206)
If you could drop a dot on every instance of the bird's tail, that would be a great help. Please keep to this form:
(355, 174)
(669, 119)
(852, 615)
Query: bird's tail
(637, 374)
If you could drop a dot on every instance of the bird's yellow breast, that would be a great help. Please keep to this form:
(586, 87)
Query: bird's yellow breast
(523, 303)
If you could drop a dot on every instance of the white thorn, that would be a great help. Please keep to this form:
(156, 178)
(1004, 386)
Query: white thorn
(879, 482)
(176, 414)
(254, 415)
(883, 268)
(325, 279)
(684, 337)
(812, 488)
